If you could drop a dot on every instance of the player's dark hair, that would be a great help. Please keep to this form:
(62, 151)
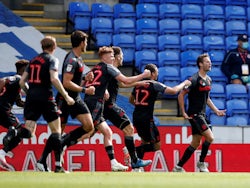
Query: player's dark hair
(77, 37)
(104, 50)
(21, 63)
(151, 67)
(48, 43)
(200, 59)
(117, 50)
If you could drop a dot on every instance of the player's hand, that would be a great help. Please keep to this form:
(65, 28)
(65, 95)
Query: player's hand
(144, 83)
(146, 73)
(106, 95)
(221, 112)
(187, 83)
(186, 116)
(69, 100)
(90, 90)
(89, 76)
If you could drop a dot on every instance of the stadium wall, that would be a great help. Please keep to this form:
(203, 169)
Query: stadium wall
(229, 152)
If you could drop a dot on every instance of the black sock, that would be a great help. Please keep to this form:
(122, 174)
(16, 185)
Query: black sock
(13, 143)
(46, 151)
(72, 137)
(142, 149)
(187, 154)
(204, 150)
(129, 143)
(22, 132)
(110, 152)
(55, 141)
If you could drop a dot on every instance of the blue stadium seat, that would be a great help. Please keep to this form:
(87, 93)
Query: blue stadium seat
(78, 15)
(146, 41)
(216, 57)
(191, 42)
(124, 25)
(217, 120)
(218, 76)
(192, 11)
(127, 43)
(191, 26)
(147, 10)
(213, 12)
(214, 27)
(102, 10)
(231, 42)
(200, 2)
(248, 13)
(145, 57)
(213, 42)
(169, 26)
(149, 1)
(188, 58)
(124, 10)
(235, 13)
(237, 107)
(237, 121)
(218, 93)
(248, 28)
(102, 30)
(187, 72)
(146, 26)
(235, 27)
(171, 1)
(169, 58)
(169, 10)
(236, 91)
(237, 2)
(169, 42)
(215, 2)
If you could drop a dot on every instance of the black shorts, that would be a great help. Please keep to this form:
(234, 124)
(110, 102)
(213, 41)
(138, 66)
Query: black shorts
(96, 108)
(199, 123)
(34, 109)
(147, 130)
(65, 110)
(116, 115)
(7, 119)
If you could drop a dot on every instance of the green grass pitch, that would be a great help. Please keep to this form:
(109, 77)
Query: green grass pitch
(123, 179)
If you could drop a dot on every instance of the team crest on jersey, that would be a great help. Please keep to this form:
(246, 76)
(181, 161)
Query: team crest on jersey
(69, 68)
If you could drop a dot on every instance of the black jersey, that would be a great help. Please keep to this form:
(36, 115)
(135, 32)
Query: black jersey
(103, 73)
(73, 65)
(145, 97)
(198, 94)
(40, 88)
(113, 88)
(10, 91)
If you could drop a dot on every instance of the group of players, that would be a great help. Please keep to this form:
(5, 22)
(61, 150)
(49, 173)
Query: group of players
(100, 86)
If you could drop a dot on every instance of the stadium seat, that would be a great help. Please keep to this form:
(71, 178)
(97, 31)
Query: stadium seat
(217, 120)
(213, 12)
(171, 1)
(237, 107)
(124, 10)
(235, 27)
(218, 92)
(169, 10)
(217, 76)
(146, 41)
(187, 72)
(149, 1)
(124, 25)
(231, 42)
(236, 91)
(191, 26)
(191, 11)
(145, 57)
(248, 13)
(102, 30)
(169, 42)
(127, 43)
(79, 16)
(168, 74)
(169, 58)
(237, 121)
(188, 58)
(237, 2)
(215, 2)
(102, 10)
(213, 42)
(216, 57)
(147, 10)
(146, 26)
(214, 27)
(169, 26)
(191, 42)
(200, 2)
(235, 13)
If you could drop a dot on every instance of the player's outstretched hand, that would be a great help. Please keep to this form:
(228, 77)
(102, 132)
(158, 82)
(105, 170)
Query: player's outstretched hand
(187, 83)
(146, 73)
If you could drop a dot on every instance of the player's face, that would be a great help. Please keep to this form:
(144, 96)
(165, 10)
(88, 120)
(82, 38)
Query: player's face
(206, 65)
(109, 58)
(119, 59)
(155, 74)
(84, 45)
